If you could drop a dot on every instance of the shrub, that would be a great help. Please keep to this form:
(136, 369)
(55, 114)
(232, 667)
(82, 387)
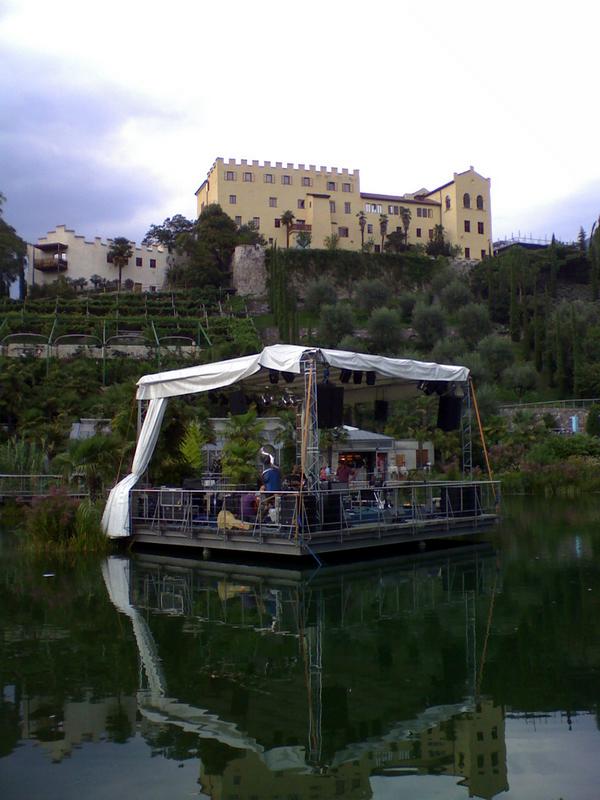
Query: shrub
(59, 522)
(430, 324)
(385, 330)
(406, 303)
(319, 294)
(473, 321)
(497, 353)
(455, 295)
(371, 294)
(335, 322)
(520, 378)
(592, 423)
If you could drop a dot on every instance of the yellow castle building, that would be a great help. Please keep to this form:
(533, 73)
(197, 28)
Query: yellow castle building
(328, 202)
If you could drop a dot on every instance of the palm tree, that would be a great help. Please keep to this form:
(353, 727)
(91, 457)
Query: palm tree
(119, 253)
(383, 225)
(405, 217)
(287, 219)
(362, 224)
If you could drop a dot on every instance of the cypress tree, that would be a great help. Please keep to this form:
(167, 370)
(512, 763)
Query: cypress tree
(514, 315)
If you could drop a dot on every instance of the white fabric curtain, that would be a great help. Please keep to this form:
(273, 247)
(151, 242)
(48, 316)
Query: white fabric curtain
(115, 519)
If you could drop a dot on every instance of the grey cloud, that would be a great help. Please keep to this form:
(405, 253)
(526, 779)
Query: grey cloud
(55, 154)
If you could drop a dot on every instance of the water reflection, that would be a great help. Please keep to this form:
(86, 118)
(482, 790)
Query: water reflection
(308, 684)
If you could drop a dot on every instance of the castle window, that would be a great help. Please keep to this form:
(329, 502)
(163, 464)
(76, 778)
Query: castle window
(419, 212)
(419, 233)
(152, 263)
(301, 204)
(138, 261)
(269, 177)
(238, 221)
(306, 181)
(467, 252)
(480, 202)
(332, 206)
(447, 202)
(272, 202)
(467, 226)
(230, 175)
(233, 199)
(277, 222)
(480, 227)
(466, 200)
(286, 180)
(346, 187)
(347, 208)
(369, 228)
(430, 234)
(343, 233)
(483, 254)
(331, 186)
(248, 177)
(256, 222)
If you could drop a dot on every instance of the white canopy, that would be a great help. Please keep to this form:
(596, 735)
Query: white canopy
(286, 358)
(282, 357)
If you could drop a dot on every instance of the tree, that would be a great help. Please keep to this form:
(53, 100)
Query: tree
(119, 253)
(287, 220)
(209, 249)
(12, 253)
(430, 324)
(395, 242)
(385, 330)
(405, 216)
(592, 423)
(455, 295)
(362, 224)
(438, 246)
(383, 226)
(169, 233)
(332, 242)
(240, 451)
(497, 352)
(520, 378)
(473, 322)
(371, 293)
(595, 258)
(249, 233)
(581, 240)
(318, 294)
(335, 322)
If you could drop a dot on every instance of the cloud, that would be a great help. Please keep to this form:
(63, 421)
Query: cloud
(65, 155)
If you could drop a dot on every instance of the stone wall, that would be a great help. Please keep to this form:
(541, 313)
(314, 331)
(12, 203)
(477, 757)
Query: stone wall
(249, 272)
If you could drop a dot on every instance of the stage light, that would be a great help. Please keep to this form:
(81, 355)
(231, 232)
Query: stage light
(273, 376)
(288, 377)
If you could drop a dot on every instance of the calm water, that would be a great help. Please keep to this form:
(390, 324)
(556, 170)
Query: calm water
(451, 674)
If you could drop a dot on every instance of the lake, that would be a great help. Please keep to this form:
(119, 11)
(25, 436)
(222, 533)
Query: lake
(469, 671)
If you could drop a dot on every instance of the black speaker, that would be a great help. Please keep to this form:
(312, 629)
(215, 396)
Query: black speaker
(449, 412)
(357, 376)
(330, 405)
(345, 375)
(370, 379)
(273, 376)
(380, 410)
(288, 377)
(238, 403)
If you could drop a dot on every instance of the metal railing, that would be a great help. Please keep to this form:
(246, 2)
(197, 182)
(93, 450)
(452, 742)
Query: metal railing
(540, 404)
(28, 486)
(336, 513)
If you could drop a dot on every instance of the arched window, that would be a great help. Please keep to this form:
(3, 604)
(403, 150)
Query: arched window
(447, 202)
(480, 202)
(467, 200)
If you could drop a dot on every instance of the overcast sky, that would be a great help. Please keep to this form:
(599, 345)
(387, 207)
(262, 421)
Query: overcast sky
(113, 112)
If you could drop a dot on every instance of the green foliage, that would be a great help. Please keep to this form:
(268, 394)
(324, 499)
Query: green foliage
(331, 242)
(520, 378)
(449, 350)
(119, 253)
(60, 523)
(335, 322)
(303, 240)
(385, 331)
(242, 444)
(371, 294)
(21, 457)
(95, 459)
(12, 252)
(430, 324)
(282, 298)
(195, 437)
(406, 303)
(497, 352)
(319, 294)
(592, 423)
(353, 344)
(473, 323)
(170, 233)
(455, 295)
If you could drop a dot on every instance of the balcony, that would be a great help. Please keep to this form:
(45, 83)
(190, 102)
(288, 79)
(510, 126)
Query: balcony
(51, 263)
(301, 226)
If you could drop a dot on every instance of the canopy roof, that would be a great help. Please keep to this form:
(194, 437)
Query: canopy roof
(287, 358)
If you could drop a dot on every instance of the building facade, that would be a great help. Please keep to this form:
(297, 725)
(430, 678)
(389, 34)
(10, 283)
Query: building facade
(327, 202)
(64, 252)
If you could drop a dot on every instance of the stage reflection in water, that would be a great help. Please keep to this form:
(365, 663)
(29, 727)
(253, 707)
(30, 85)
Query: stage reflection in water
(308, 684)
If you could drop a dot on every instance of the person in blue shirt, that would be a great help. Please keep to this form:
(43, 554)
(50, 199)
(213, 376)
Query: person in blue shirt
(271, 482)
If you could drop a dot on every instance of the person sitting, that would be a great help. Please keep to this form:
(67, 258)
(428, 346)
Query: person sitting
(249, 505)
